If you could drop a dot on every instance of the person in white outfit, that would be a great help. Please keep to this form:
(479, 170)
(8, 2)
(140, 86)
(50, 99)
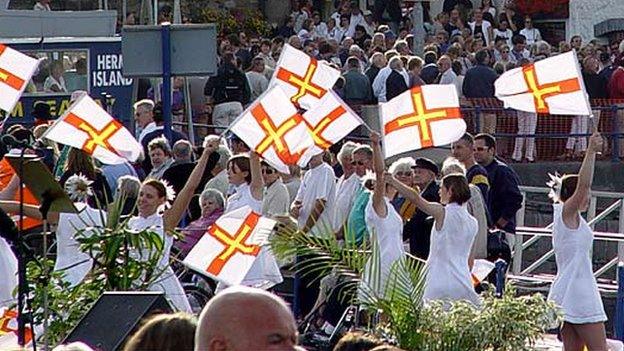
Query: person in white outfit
(276, 201)
(314, 204)
(386, 227)
(244, 173)
(152, 198)
(73, 262)
(452, 237)
(346, 187)
(575, 289)
(527, 124)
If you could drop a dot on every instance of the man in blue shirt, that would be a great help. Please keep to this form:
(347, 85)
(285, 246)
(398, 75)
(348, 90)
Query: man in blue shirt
(479, 84)
(505, 198)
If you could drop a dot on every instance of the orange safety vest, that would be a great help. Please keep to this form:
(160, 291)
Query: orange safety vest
(6, 173)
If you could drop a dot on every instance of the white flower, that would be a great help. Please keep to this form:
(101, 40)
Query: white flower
(169, 195)
(555, 185)
(78, 187)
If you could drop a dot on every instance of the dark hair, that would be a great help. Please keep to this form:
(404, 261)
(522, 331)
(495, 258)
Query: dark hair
(481, 55)
(278, 40)
(79, 161)
(568, 186)
(158, 185)
(489, 140)
(518, 39)
(430, 57)
(353, 62)
(467, 137)
(234, 39)
(242, 162)
(457, 184)
(166, 332)
(457, 68)
(157, 112)
(325, 48)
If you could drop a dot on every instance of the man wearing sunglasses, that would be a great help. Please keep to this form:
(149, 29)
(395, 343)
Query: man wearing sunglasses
(504, 198)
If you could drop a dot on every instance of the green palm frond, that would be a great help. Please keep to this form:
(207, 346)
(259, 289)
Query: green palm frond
(507, 323)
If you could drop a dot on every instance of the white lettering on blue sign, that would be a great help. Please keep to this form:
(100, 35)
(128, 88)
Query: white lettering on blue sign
(108, 72)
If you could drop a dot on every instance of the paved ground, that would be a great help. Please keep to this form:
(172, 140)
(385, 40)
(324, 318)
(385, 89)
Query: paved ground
(550, 343)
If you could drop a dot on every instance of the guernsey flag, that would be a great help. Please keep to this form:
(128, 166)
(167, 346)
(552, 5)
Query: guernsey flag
(15, 72)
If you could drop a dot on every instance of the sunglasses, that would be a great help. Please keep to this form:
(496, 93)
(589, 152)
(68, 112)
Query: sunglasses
(268, 171)
(359, 163)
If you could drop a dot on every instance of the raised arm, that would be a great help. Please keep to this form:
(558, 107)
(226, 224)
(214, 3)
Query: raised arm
(379, 205)
(433, 209)
(173, 215)
(512, 25)
(257, 184)
(572, 206)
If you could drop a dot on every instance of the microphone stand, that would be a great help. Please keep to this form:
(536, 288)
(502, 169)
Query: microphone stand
(22, 251)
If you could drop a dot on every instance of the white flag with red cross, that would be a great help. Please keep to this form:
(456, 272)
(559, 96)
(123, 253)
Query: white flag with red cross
(274, 129)
(87, 126)
(553, 85)
(232, 250)
(9, 330)
(16, 69)
(304, 79)
(328, 123)
(421, 117)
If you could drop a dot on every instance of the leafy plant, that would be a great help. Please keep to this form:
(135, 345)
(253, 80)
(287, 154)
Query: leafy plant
(234, 21)
(507, 323)
(124, 259)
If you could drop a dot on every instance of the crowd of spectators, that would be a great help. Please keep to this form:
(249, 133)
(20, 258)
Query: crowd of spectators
(466, 46)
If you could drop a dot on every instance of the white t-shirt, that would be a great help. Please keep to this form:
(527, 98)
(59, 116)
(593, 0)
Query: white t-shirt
(318, 183)
(319, 31)
(532, 35)
(485, 26)
(508, 34)
(345, 195)
(75, 263)
(258, 84)
(275, 200)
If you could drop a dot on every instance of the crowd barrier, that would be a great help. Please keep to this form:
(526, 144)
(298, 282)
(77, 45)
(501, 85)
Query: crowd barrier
(551, 131)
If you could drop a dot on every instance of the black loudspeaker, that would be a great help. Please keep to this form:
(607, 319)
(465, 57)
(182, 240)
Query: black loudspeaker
(115, 316)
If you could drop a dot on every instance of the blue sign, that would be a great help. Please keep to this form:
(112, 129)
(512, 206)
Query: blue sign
(103, 79)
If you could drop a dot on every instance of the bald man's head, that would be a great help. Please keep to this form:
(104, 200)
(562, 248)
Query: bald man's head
(242, 318)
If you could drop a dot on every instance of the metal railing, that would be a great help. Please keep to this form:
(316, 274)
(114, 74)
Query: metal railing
(535, 234)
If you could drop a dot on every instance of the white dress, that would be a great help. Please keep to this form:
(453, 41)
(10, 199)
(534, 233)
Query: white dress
(167, 282)
(448, 274)
(242, 197)
(575, 289)
(8, 272)
(388, 232)
(75, 263)
(265, 272)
